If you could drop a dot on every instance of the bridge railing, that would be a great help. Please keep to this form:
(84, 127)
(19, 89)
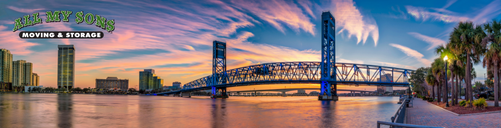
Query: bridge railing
(393, 125)
(400, 114)
(346, 73)
(398, 120)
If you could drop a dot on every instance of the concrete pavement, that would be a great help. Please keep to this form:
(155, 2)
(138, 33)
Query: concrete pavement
(424, 113)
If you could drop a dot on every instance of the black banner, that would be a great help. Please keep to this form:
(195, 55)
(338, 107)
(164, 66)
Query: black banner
(61, 35)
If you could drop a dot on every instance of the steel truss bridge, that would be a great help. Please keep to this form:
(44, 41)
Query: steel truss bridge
(327, 72)
(294, 89)
(301, 72)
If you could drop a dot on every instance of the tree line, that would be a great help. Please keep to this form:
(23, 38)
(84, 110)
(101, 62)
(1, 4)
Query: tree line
(468, 44)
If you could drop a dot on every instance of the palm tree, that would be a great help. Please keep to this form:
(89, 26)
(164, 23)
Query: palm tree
(466, 39)
(430, 79)
(492, 56)
(443, 52)
(438, 70)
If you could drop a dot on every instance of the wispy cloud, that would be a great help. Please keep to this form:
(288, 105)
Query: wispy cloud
(279, 12)
(488, 12)
(449, 3)
(349, 19)
(400, 14)
(307, 5)
(434, 42)
(429, 14)
(394, 65)
(441, 14)
(412, 53)
(24, 10)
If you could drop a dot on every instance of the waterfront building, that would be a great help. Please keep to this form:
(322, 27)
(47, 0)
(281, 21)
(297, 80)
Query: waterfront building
(112, 83)
(383, 89)
(158, 82)
(5, 69)
(36, 79)
(149, 81)
(175, 85)
(66, 66)
(18, 73)
(28, 74)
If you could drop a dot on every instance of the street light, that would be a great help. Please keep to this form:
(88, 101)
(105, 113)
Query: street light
(446, 87)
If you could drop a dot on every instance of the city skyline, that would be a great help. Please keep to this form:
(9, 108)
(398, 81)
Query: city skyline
(179, 47)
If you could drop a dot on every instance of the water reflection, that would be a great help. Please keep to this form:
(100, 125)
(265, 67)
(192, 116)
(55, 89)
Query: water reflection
(78, 110)
(64, 109)
(326, 114)
(4, 110)
(146, 113)
(218, 113)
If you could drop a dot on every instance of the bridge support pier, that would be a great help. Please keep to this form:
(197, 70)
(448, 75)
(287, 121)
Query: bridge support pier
(326, 89)
(219, 92)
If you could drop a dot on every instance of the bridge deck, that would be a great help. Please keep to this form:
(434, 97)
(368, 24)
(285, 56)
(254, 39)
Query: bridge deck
(301, 72)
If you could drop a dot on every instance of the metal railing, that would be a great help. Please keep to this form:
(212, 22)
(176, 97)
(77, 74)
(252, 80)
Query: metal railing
(397, 121)
(400, 114)
(379, 123)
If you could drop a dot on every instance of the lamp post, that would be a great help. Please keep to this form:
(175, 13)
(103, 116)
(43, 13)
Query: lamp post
(446, 87)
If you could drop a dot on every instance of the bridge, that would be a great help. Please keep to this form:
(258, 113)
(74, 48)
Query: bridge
(284, 90)
(293, 89)
(327, 72)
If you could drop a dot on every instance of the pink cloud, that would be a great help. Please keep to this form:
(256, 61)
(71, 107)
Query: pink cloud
(24, 10)
(279, 12)
(349, 19)
(425, 14)
(307, 6)
(9, 38)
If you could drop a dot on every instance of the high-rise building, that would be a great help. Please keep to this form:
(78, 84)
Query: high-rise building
(148, 80)
(18, 73)
(66, 66)
(5, 67)
(36, 79)
(385, 78)
(159, 83)
(112, 83)
(28, 74)
(176, 85)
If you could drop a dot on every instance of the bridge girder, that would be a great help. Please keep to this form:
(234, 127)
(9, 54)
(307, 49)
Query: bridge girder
(305, 72)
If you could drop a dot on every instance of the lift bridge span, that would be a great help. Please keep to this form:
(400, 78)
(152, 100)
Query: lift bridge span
(327, 72)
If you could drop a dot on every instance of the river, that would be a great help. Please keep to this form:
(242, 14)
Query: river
(91, 111)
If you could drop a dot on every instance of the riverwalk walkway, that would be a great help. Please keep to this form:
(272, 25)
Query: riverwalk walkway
(424, 113)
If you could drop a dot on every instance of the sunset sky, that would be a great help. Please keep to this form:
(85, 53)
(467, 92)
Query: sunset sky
(175, 37)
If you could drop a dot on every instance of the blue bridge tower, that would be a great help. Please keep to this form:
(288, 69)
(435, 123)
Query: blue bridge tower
(328, 85)
(219, 75)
